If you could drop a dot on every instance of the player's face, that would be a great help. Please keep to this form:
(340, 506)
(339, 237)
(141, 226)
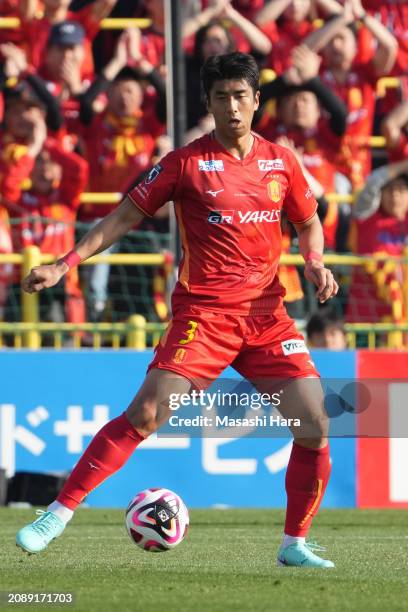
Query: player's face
(233, 103)
(341, 50)
(394, 199)
(125, 98)
(300, 110)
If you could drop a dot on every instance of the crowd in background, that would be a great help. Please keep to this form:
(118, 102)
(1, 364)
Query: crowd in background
(84, 109)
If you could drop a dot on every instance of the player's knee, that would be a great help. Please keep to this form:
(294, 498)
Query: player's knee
(143, 416)
(316, 427)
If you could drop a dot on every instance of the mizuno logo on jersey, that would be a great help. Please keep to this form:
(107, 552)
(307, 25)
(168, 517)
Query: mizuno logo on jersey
(265, 165)
(211, 165)
(214, 193)
(290, 347)
(260, 216)
(220, 216)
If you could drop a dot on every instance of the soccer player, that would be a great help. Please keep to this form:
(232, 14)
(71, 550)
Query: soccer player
(229, 188)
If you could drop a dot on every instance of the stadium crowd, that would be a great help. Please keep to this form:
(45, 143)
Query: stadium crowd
(84, 109)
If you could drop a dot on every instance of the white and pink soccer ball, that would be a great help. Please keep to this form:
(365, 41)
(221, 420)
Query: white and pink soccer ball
(157, 519)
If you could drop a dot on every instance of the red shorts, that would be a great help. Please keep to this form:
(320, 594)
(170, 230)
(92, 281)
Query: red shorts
(199, 344)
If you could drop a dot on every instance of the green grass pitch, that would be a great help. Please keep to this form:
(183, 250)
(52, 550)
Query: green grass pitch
(226, 563)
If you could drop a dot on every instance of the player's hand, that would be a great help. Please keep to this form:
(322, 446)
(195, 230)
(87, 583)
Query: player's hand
(44, 277)
(322, 277)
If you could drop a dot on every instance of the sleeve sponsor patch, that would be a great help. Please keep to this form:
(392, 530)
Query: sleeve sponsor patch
(153, 174)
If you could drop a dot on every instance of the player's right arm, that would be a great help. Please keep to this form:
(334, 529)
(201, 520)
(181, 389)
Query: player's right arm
(100, 237)
(160, 186)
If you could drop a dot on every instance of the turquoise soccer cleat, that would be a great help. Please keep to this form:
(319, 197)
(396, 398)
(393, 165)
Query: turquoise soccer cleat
(300, 554)
(36, 536)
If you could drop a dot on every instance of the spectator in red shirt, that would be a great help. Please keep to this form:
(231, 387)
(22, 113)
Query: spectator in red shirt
(394, 16)
(62, 72)
(36, 30)
(354, 83)
(44, 215)
(247, 35)
(287, 23)
(20, 142)
(395, 129)
(381, 227)
(119, 142)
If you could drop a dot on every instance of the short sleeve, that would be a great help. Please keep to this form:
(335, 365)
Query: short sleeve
(300, 203)
(159, 186)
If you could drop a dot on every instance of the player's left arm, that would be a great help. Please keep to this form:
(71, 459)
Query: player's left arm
(311, 244)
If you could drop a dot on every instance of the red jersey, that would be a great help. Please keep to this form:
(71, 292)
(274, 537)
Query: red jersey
(359, 94)
(36, 32)
(320, 145)
(228, 211)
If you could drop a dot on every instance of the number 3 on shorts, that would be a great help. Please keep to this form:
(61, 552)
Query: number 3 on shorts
(190, 332)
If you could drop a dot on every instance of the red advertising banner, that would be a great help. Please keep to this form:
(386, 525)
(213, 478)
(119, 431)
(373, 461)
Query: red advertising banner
(382, 462)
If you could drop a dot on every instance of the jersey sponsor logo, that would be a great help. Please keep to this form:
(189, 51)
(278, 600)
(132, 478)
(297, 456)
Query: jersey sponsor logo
(265, 165)
(211, 165)
(274, 191)
(220, 216)
(260, 216)
(153, 174)
(214, 193)
(290, 347)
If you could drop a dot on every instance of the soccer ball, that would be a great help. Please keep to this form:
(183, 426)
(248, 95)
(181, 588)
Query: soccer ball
(157, 519)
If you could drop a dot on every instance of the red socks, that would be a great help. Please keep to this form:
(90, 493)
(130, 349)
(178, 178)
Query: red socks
(108, 451)
(306, 480)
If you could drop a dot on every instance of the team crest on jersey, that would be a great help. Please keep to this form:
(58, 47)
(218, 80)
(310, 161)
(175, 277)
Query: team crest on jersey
(153, 174)
(266, 165)
(211, 165)
(274, 191)
(220, 216)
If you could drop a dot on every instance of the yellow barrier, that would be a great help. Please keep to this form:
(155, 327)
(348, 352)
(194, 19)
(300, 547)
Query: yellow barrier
(106, 24)
(29, 333)
(134, 330)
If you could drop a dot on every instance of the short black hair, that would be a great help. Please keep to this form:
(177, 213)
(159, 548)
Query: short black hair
(235, 66)
(322, 319)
